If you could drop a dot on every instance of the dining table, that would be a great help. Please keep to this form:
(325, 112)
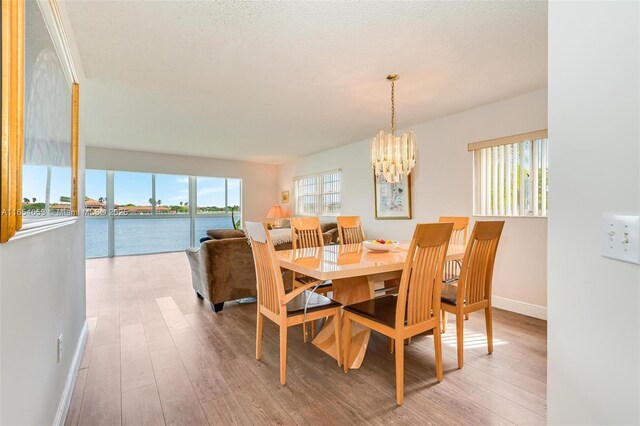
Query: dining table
(355, 271)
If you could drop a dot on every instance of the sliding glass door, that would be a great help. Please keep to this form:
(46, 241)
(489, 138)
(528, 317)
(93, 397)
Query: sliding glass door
(140, 213)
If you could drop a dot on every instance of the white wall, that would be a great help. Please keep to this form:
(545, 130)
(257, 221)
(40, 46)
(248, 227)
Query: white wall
(594, 303)
(42, 295)
(442, 185)
(259, 181)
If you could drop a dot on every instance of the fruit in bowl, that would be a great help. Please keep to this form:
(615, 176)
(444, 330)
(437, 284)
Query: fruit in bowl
(380, 245)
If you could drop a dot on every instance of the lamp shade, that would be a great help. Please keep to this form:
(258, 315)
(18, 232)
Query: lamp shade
(275, 212)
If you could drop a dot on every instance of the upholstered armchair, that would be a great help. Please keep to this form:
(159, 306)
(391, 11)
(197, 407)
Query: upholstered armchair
(222, 268)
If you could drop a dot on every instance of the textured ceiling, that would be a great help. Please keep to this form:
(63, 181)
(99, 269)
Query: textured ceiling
(271, 81)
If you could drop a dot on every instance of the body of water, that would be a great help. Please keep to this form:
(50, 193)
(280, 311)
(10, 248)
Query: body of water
(143, 236)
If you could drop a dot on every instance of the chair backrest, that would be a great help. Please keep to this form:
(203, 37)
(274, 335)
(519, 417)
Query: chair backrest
(270, 287)
(306, 232)
(460, 227)
(419, 292)
(477, 265)
(350, 230)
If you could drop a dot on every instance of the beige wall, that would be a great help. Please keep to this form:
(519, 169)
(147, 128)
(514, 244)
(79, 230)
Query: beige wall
(259, 181)
(594, 302)
(442, 185)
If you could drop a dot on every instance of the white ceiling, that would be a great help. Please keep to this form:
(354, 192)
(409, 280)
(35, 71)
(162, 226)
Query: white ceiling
(268, 82)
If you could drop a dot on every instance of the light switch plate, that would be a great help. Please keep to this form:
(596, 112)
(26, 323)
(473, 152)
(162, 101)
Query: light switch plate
(621, 237)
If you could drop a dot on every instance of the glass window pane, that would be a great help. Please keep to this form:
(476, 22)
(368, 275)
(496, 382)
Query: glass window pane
(234, 197)
(34, 188)
(96, 238)
(132, 192)
(42, 184)
(203, 224)
(142, 236)
(211, 195)
(60, 190)
(95, 200)
(172, 194)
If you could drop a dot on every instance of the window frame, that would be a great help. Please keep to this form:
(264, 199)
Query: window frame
(319, 195)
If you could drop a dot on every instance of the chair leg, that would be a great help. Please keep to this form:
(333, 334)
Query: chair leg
(466, 317)
(304, 332)
(283, 354)
(460, 338)
(437, 345)
(337, 328)
(347, 343)
(400, 370)
(488, 315)
(391, 344)
(313, 330)
(259, 335)
(443, 321)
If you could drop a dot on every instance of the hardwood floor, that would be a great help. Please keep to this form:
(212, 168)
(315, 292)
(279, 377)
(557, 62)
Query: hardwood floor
(158, 355)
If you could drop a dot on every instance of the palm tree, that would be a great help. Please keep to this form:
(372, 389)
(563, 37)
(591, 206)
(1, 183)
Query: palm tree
(101, 200)
(33, 199)
(159, 202)
(151, 201)
(25, 200)
(181, 203)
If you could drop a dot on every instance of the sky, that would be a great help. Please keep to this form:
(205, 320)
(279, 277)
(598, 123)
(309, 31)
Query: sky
(130, 188)
(34, 182)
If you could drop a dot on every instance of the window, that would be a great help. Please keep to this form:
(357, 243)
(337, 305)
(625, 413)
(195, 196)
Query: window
(318, 195)
(171, 194)
(133, 193)
(138, 213)
(219, 201)
(511, 175)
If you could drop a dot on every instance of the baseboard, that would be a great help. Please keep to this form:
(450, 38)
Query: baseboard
(65, 399)
(528, 309)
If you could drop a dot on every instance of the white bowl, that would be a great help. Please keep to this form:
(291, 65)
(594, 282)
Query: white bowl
(373, 246)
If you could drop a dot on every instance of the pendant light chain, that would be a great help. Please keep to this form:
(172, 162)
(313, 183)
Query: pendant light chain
(393, 108)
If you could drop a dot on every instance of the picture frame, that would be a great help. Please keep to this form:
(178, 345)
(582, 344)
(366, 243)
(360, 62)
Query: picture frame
(392, 200)
(40, 123)
(284, 197)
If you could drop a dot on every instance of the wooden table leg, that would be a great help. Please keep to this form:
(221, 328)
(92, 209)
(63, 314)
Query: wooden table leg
(348, 291)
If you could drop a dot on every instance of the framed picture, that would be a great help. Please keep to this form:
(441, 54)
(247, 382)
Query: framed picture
(393, 200)
(284, 197)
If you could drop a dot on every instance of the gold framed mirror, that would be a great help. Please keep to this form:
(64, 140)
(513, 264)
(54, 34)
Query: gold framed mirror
(40, 101)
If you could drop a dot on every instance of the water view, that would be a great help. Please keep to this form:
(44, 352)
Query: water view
(151, 212)
(142, 236)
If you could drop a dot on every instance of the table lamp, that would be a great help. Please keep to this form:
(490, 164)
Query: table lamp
(276, 213)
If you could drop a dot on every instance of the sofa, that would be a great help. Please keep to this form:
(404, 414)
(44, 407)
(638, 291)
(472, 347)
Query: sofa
(222, 269)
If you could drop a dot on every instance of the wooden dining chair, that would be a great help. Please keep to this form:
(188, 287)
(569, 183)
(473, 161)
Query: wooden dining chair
(350, 230)
(473, 290)
(416, 307)
(458, 237)
(307, 233)
(284, 309)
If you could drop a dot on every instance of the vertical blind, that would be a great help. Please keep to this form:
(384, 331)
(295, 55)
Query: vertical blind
(318, 195)
(511, 179)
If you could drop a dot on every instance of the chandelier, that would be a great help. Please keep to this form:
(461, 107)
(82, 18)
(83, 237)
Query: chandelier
(393, 157)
